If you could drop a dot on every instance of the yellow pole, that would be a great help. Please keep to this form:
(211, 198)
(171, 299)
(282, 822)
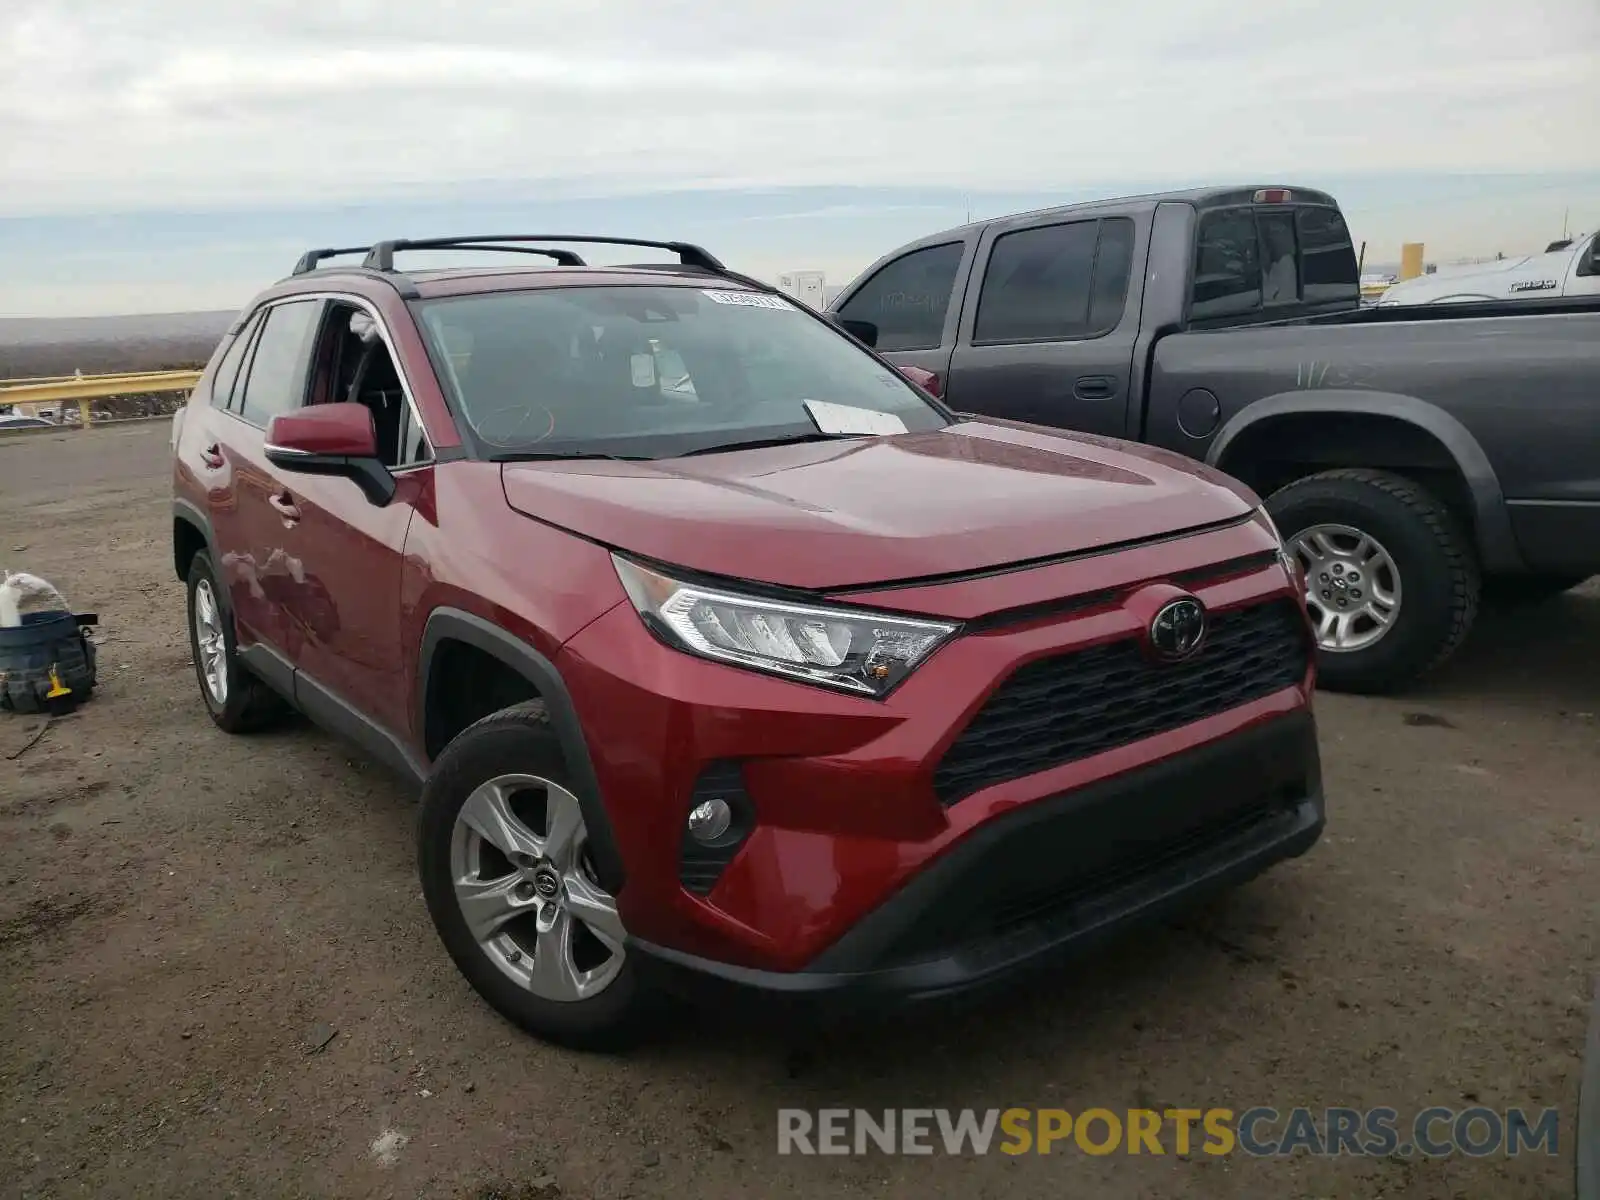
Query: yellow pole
(1410, 260)
(83, 411)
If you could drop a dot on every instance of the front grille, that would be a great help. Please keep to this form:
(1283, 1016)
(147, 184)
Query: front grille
(1060, 709)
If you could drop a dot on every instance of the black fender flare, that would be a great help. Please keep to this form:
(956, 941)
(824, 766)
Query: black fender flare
(1497, 544)
(456, 625)
(195, 515)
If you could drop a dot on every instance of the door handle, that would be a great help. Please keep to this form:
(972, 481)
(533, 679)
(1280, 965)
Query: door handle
(212, 456)
(1094, 387)
(286, 507)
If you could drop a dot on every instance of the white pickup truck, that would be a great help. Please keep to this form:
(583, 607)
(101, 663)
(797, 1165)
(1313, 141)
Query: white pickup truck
(1568, 268)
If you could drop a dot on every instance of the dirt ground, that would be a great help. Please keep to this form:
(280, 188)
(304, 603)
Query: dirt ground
(185, 916)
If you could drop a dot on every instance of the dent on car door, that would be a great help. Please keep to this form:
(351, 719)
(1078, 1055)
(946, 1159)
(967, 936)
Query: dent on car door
(1046, 335)
(263, 567)
(347, 550)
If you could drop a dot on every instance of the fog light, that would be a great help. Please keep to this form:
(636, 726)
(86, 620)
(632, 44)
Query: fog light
(709, 820)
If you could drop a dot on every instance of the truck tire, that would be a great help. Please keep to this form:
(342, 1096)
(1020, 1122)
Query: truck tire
(1392, 582)
(517, 903)
(1522, 591)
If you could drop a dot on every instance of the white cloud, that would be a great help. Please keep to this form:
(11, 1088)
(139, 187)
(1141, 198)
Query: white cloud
(106, 104)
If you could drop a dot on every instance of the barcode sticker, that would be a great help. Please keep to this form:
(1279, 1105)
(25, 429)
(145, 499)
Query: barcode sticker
(749, 300)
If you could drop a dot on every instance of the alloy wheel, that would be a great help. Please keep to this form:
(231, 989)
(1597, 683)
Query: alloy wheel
(1353, 588)
(210, 643)
(527, 889)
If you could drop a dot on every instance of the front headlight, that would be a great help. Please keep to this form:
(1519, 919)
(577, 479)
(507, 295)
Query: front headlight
(854, 651)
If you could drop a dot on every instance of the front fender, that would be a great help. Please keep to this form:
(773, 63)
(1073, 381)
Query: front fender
(1497, 546)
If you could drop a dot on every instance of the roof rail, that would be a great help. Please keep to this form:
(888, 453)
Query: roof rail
(381, 256)
(311, 258)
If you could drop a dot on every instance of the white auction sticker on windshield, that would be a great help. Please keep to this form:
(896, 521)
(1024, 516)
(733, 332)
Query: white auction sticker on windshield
(748, 299)
(848, 419)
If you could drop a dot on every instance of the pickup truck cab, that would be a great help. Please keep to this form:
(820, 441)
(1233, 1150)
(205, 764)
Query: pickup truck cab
(1567, 268)
(1408, 455)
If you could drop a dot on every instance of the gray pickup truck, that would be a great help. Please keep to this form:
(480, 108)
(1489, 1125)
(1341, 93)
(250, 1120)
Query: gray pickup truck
(1413, 458)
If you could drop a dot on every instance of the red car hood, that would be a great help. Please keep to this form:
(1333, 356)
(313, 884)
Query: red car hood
(837, 514)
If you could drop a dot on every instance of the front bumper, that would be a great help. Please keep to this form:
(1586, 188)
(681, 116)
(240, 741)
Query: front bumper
(1055, 877)
(848, 809)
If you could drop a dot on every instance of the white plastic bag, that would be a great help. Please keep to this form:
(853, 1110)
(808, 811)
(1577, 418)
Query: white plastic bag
(21, 594)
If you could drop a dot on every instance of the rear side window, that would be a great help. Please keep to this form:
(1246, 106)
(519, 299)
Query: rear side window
(1227, 266)
(223, 386)
(1328, 269)
(281, 362)
(907, 299)
(1056, 282)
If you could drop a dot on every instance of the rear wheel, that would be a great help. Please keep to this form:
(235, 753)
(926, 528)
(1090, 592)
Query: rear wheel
(509, 881)
(1392, 583)
(236, 700)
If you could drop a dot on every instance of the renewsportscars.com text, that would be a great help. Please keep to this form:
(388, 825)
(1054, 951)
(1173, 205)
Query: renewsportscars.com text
(1259, 1132)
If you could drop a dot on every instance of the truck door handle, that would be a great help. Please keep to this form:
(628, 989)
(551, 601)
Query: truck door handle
(212, 456)
(1094, 387)
(286, 507)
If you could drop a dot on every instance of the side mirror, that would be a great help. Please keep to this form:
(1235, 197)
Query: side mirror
(925, 379)
(864, 332)
(1590, 264)
(331, 439)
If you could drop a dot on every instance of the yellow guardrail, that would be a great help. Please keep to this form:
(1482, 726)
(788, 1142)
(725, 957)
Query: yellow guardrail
(85, 388)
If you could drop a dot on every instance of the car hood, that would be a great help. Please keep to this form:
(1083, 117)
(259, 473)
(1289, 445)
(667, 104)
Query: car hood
(819, 515)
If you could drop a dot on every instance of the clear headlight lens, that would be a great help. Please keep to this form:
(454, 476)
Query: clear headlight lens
(848, 649)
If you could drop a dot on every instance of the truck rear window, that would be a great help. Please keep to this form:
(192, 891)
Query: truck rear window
(1251, 259)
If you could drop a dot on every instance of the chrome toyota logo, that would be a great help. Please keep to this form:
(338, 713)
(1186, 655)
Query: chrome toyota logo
(1178, 629)
(547, 883)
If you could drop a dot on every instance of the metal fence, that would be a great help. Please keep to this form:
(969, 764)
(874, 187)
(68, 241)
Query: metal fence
(26, 395)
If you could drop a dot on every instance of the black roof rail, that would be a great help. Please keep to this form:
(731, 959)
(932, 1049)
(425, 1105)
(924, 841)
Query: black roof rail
(381, 256)
(311, 258)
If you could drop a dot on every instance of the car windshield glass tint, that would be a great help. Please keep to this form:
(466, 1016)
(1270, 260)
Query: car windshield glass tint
(654, 371)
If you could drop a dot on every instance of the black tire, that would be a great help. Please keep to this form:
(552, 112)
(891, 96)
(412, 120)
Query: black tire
(1522, 591)
(1437, 566)
(514, 740)
(250, 704)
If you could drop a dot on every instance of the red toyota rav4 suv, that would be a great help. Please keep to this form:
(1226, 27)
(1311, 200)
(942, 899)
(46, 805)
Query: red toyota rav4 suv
(725, 656)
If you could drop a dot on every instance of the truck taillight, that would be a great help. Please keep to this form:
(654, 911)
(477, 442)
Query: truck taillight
(1274, 196)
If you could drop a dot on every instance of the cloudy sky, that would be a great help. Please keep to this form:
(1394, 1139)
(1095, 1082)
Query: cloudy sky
(161, 154)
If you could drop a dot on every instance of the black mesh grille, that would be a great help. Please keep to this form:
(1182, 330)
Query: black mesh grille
(1068, 707)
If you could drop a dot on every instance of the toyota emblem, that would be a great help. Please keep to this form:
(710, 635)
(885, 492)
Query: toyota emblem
(1178, 629)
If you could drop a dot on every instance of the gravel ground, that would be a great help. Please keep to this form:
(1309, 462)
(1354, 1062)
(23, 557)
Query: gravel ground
(185, 918)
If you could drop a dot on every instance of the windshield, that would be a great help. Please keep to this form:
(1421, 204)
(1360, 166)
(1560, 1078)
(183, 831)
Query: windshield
(655, 371)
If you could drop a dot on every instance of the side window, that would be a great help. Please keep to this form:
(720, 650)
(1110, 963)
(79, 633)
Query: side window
(1328, 268)
(281, 362)
(1056, 282)
(223, 385)
(354, 366)
(1227, 266)
(907, 299)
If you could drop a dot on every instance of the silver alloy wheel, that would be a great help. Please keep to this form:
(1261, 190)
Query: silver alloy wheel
(529, 897)
(1352, 585)
(210, 644)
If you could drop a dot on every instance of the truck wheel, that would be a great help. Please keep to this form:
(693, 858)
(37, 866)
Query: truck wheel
(237, 701)
(1520, 591)
(1392, 582)
(502, 852)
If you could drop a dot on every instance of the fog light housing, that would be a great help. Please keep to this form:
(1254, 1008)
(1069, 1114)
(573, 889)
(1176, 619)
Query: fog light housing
(709, 820)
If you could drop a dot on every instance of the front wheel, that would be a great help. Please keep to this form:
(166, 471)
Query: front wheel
(1392, 582)
(502, 849)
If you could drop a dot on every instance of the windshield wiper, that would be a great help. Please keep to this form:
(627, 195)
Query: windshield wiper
(561, 456)
(792, 440)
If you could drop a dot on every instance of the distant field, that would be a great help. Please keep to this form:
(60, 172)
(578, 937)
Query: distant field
(59, 346)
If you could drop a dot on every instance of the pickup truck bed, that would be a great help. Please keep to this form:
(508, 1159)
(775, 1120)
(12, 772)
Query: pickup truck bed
(1413, 457)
